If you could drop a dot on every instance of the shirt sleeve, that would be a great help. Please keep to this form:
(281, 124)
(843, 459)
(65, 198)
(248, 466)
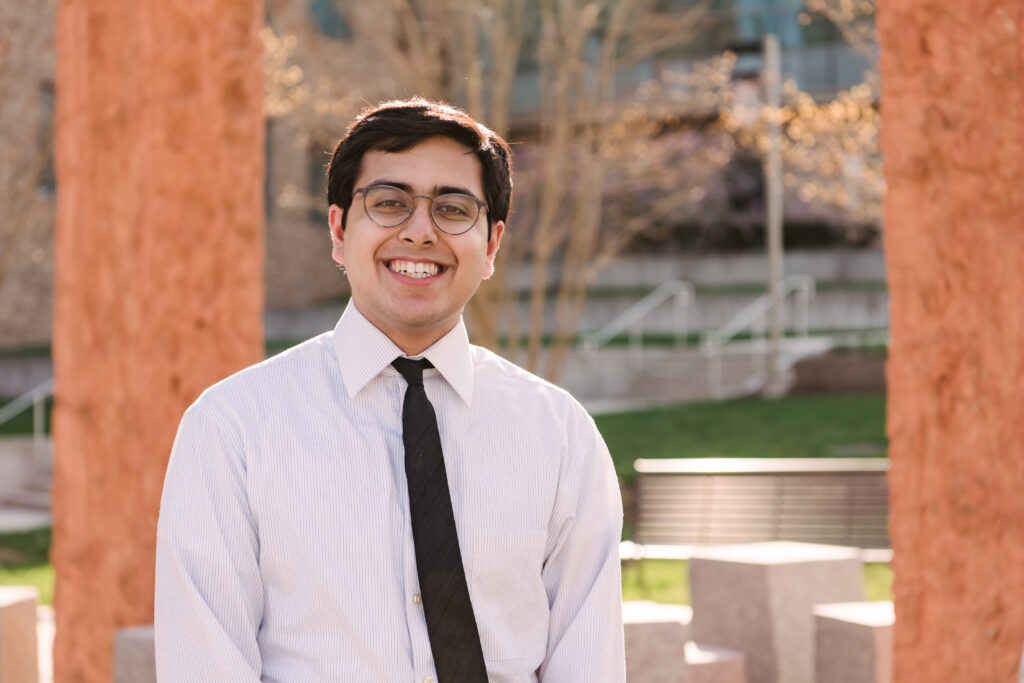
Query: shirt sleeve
(582, 571)
(209, 595)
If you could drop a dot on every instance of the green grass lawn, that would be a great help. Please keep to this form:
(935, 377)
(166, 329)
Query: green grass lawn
(25, 561)
(789, 427)
(669, 581)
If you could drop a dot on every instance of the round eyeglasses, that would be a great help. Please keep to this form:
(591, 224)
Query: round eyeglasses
(453, 213)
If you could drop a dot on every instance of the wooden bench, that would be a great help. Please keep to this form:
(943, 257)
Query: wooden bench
(836, 501)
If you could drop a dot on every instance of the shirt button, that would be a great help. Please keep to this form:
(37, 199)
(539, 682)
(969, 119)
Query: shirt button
(417, 599)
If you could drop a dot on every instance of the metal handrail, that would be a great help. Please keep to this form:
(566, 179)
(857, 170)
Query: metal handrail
(36, 398)
(713, 340)
(804, 284)
(631, 319)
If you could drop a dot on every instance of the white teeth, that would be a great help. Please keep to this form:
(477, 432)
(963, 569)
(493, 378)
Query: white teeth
(414, 268)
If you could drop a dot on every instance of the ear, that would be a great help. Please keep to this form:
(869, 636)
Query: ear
(334, 218)
(492, 247)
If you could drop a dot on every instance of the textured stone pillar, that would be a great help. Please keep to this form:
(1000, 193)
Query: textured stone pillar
(159, 279)
(953, 138)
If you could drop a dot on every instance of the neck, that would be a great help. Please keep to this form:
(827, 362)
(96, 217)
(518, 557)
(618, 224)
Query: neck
(419, 341)
(412, 339)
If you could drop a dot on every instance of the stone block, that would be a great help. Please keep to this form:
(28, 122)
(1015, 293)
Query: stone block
(706, 664)
(853, 642)
(757, 598)
(656, 636)
(19, 648)
(135, 655)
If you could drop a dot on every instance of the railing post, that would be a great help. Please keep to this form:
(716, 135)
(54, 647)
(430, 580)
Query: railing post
(803, 309)
(681, 308)
(714, 353)
(38, 423)
(761, 348)
(636, 340)
(591, 358)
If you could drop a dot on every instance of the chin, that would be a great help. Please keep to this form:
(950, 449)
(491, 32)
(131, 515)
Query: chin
(419, 318)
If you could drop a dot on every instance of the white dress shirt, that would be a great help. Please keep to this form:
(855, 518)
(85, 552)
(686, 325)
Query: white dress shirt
(284, 547)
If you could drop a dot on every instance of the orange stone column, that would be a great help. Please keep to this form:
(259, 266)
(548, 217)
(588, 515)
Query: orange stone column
(160, 167)
(953, 138)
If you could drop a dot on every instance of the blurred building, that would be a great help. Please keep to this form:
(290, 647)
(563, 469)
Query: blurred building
(27, 181)
(814, 53)
(299, 270)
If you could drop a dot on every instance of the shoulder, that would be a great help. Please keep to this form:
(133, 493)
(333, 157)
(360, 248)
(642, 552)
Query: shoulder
(280, 378)
(522, 391)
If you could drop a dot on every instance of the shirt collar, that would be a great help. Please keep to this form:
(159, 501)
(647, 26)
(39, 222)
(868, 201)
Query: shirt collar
(363, 352)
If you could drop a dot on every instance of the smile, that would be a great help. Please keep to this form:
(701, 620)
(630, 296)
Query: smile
(415, 269)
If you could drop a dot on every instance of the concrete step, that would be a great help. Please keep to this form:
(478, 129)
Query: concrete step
(28, 500)
(669, 375)
(687, 378)
(20, 519)
(27, 471)
(39, 481)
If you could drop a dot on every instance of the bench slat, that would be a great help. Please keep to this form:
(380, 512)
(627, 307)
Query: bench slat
(719, 500)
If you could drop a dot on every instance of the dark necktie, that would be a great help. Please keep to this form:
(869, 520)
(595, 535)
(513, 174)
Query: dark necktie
(454, 639)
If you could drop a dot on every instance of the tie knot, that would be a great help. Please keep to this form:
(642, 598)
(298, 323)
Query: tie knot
(412, 370)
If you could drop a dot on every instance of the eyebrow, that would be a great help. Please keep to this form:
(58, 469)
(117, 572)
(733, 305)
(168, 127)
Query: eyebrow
(444, 189)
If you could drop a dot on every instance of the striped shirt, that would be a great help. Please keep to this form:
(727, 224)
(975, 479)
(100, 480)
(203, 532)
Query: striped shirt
(284, 547)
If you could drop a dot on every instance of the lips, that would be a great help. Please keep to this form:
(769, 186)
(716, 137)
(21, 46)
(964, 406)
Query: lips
(415, 269)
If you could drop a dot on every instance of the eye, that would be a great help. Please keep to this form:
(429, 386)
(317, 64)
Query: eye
(455, 207)
(387, 200)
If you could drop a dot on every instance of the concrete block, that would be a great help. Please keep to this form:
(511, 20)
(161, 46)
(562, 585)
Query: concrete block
(757, 598)
(45, 632)
(135, 655)
(706, 664)
(656, 635)
(19, 648)
(853, 642)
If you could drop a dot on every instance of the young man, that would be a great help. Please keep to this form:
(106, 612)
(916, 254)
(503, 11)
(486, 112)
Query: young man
(335, 514)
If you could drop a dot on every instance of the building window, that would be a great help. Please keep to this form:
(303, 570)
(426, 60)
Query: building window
(328, 19)
(47, 183)
(318, 160)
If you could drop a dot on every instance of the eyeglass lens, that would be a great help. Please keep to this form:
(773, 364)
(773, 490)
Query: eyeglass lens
(389, 206)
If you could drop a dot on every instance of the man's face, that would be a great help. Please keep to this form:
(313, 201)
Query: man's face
(415, 311)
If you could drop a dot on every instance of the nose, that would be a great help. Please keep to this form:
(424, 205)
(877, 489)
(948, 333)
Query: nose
(419, 227)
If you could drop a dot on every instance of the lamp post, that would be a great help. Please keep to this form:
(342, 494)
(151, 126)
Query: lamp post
(771, 98)
(775, 382)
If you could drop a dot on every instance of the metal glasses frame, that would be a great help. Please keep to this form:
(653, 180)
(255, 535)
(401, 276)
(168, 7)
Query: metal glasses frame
(479, 205)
